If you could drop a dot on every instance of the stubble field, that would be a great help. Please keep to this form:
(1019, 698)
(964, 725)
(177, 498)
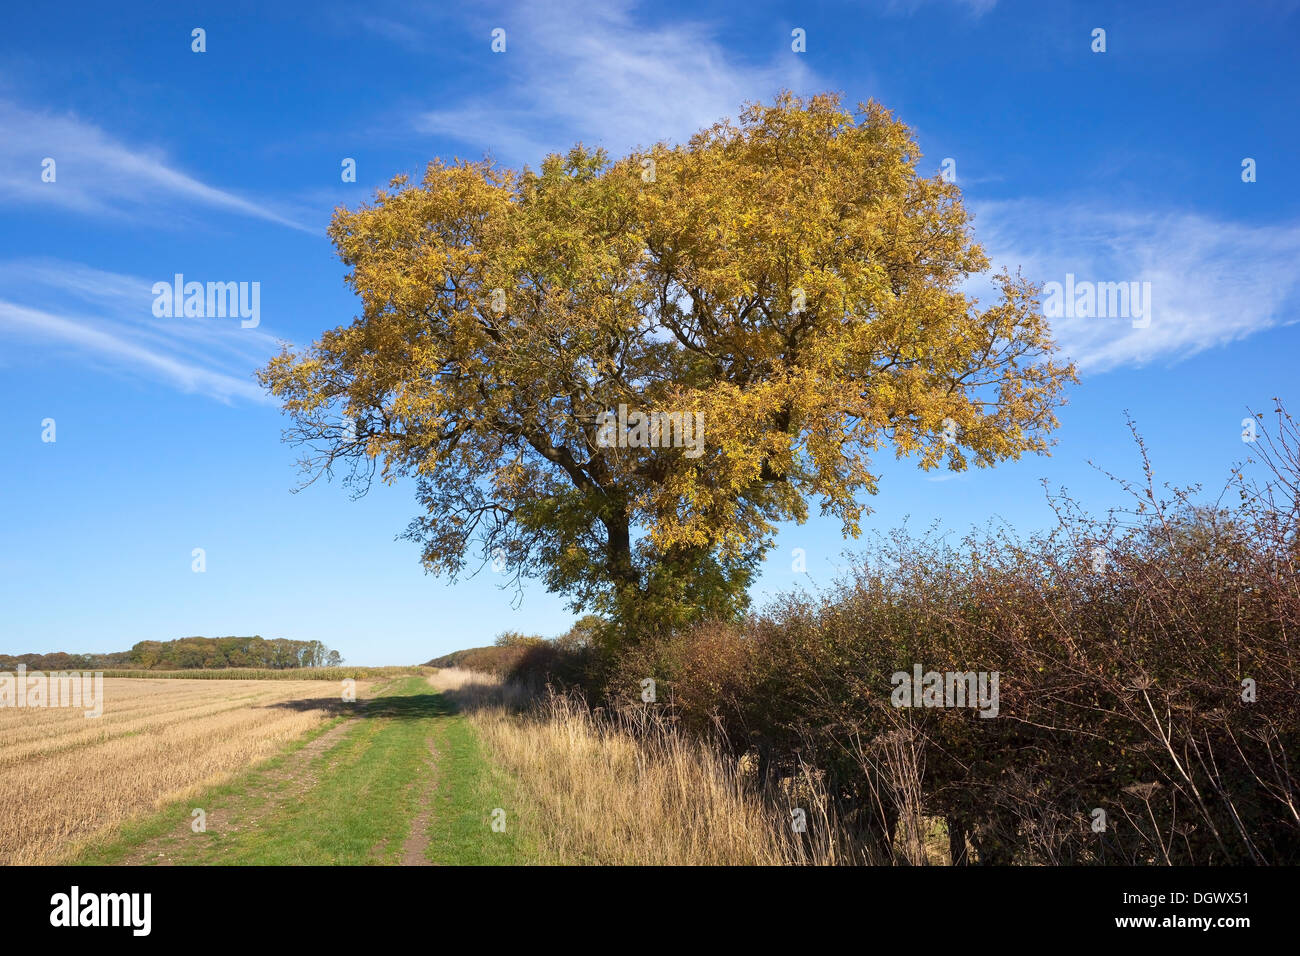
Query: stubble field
(65, 778)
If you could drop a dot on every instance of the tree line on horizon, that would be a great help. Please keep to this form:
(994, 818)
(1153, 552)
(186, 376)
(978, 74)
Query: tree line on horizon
(189, 653)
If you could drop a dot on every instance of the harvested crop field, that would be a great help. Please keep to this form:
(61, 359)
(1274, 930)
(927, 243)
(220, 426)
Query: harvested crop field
(65, 778)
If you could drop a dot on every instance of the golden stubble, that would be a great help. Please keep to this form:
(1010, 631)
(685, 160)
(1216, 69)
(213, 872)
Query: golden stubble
(65, 779)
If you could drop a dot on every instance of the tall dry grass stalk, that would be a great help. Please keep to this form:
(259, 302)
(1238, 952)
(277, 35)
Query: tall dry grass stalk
(625, 787)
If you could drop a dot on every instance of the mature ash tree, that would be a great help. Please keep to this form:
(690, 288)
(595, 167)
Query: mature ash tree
(791, 279)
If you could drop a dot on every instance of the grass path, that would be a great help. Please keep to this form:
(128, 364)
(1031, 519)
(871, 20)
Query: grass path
(404, 780)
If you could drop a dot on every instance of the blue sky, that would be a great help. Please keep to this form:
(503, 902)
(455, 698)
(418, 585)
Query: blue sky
(225, 165)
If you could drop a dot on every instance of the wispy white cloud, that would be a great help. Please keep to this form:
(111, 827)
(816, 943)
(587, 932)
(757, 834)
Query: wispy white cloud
(1213, 282)
(82, 334)
(595, 73)
(107, 317)
(98, 175)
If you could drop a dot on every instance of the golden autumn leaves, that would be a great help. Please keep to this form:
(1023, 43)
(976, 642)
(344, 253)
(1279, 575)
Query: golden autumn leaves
(790, 280)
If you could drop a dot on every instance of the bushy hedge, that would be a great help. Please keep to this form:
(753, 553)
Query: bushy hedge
(532, 660)
(1149, 690)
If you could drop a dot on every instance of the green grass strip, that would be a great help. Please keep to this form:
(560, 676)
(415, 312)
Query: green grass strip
(353, 804)
(470, 789)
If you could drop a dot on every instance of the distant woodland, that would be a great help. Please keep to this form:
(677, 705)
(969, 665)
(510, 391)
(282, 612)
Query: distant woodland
(189, 653)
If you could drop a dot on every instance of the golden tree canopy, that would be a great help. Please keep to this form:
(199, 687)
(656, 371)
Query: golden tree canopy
(789, 284)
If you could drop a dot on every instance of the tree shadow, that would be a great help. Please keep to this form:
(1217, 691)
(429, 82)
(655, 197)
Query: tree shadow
(409, 707)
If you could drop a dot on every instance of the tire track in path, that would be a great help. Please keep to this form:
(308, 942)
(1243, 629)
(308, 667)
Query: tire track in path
(415, 849)
(292, 778)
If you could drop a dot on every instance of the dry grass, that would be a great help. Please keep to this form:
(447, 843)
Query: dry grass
(65, 778)
(629, 789)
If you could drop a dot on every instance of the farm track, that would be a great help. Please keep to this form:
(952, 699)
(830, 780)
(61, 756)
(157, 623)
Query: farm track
(399, 780)
(295, 775)
(415, 850)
